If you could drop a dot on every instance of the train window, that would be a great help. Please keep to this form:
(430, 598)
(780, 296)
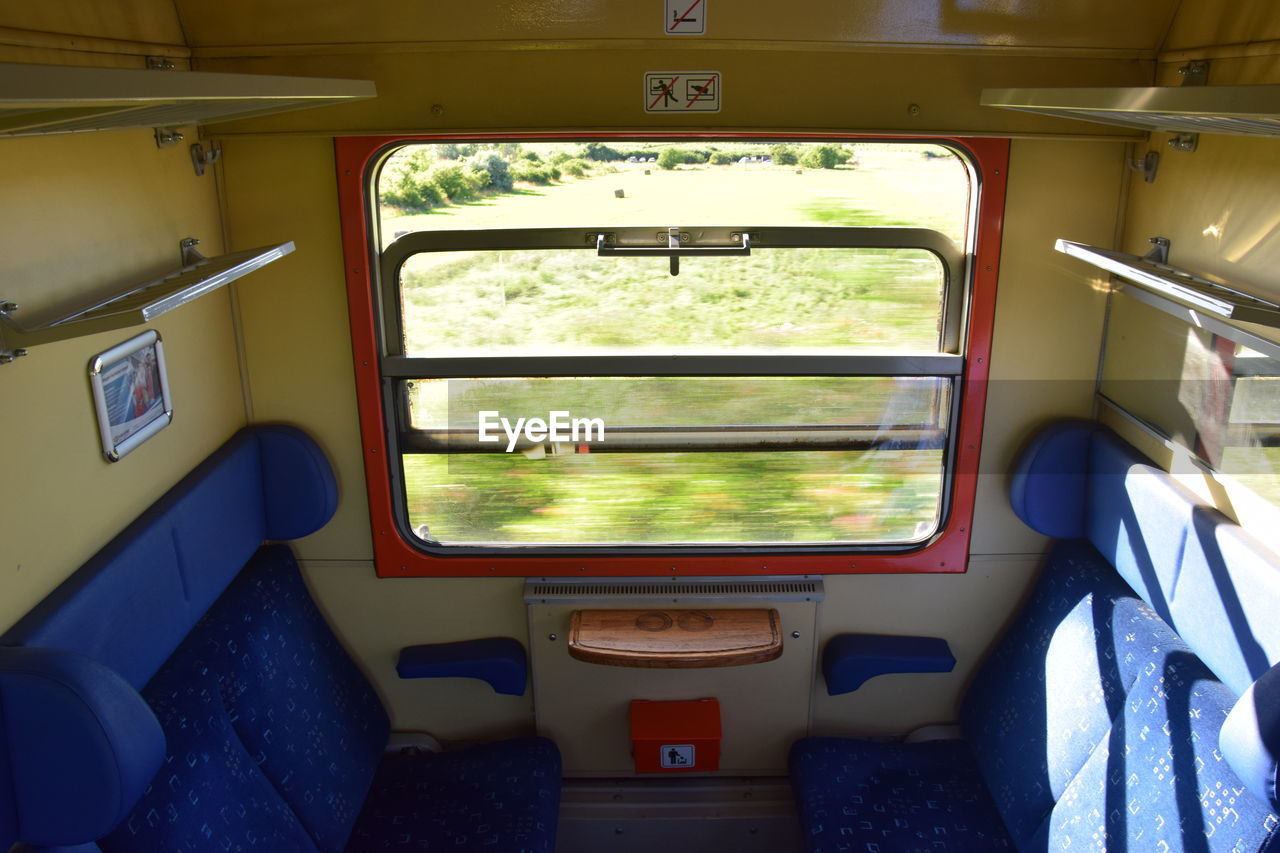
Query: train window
(692, 345)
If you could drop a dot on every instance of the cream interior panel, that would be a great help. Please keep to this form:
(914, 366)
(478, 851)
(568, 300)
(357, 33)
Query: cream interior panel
(1135, 25)
(293, 316)
(1049, 314)
(594, 88)
(88, 213)
(584, 707)
(375, 618)
(1218, 208)
(1223, 22)
(77, 214)
(968, 610)
(153, 21)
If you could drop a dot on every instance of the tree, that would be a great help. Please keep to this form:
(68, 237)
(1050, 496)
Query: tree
(600, 152)
(493, 163)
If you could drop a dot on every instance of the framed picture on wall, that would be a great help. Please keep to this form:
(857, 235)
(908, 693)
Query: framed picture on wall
(130, 393)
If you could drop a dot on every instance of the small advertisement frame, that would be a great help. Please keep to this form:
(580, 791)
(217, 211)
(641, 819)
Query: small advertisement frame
(130, 393)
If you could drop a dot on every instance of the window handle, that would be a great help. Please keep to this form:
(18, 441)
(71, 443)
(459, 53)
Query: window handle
(673, 250)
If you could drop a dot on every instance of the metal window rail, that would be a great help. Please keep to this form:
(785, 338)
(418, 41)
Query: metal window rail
(674, 242)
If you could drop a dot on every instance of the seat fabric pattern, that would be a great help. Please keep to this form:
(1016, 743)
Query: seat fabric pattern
(871, 797)
(1158, 781)
(500, 797)
(209, 793)
(298, 703)
(1050, 689)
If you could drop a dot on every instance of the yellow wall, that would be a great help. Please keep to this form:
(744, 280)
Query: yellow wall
(1044, 359)
(1217, 206)
(81, 215)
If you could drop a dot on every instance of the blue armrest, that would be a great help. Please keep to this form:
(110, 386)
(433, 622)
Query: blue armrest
(500, 661)
(849, 660)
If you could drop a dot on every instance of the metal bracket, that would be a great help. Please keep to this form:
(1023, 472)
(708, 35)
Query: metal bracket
(1195, 72)
(1159, 250)
(7, 355)
(190, 256)
(1147, 165)
(160, 63)
(1185, 142)
(200, 157)
(167, 136)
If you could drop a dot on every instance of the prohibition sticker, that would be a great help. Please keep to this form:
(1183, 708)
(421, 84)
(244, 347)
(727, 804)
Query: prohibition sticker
(682, 92)
(685, 18)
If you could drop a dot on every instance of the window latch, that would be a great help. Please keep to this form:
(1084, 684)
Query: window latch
(675, 248)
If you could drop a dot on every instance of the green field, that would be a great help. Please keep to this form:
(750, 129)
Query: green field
(573, 302)
(896, 186)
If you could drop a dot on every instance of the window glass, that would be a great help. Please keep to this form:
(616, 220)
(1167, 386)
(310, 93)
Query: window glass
(512, 308)
(568, 302)
(468, 186)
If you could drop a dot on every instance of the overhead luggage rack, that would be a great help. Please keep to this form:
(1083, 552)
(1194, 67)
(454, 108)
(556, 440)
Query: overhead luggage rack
(44, 99)
(138, 303)
(1236, 110)
(1152, 274)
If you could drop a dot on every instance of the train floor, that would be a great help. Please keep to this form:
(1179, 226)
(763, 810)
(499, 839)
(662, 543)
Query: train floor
(678, 815)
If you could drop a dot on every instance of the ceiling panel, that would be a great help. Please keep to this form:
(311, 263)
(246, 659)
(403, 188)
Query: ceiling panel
(154, 21)
(1135, 25)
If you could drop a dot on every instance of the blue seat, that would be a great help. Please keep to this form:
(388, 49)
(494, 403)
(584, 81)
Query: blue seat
(232, 697)
(1092, 724)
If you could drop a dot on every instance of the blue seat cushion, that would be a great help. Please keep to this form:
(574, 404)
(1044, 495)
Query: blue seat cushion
(298, 703)
(862, 796)
(1050, 689)
(209, 793)
(499, 797)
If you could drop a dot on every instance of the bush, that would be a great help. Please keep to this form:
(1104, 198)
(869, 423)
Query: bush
(459, 183)
(412, 191)
(561, 157)
(721, 158)
(822, 157)
(531, 156)
(670, 158)
(529, 173)
(574, 168)
(495, 165)
(783, 155)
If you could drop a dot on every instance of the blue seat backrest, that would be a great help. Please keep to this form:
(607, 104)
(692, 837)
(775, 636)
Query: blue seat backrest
(267, 482)
(1098, 715)
(86, 650)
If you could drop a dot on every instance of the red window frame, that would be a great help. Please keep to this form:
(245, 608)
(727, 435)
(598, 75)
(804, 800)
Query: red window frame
(394, 556)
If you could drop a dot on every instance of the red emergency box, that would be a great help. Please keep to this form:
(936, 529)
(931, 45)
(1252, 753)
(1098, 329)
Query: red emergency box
(675, 737)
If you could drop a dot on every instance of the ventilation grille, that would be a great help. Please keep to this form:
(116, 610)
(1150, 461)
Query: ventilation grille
(572, 590)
